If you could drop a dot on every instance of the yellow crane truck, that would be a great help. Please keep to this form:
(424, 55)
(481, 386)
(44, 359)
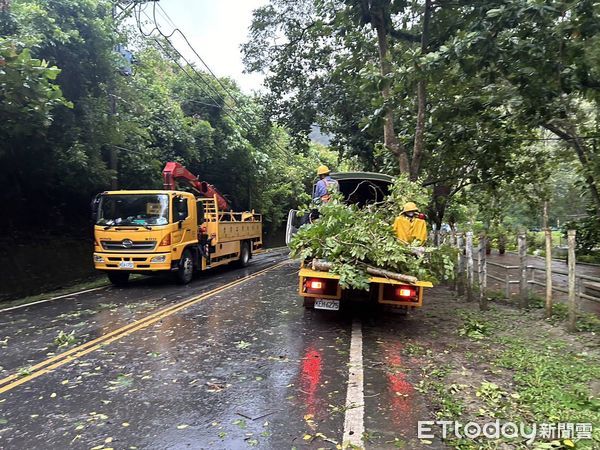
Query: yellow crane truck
(321, 289)
(169, 230)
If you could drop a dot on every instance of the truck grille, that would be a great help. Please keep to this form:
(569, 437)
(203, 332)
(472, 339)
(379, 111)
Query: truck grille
(129, 246)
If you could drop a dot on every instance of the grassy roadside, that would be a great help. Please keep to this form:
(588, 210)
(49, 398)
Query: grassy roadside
(514, 366)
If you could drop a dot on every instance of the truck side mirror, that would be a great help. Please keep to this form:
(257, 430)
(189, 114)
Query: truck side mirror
(94, 206)
(180, 209)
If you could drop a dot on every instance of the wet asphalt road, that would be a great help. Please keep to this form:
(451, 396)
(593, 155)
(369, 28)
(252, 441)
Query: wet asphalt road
(246, 367)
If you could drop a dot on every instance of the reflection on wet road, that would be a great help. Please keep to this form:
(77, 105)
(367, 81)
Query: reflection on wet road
(245, 367)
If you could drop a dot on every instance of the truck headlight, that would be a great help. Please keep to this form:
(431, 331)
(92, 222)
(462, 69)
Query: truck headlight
(98, 259)
(158, 259)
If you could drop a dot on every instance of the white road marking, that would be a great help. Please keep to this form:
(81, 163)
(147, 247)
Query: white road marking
(76, 293)
(354, 426)
(52, 299)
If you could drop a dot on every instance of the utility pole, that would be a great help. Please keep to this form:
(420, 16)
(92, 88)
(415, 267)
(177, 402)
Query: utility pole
(119, 8)
(113, 163)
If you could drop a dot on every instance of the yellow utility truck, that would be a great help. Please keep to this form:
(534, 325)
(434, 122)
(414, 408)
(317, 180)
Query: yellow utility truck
(170, 230)
(320, 289)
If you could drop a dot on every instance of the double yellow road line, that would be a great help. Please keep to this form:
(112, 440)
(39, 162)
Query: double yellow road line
(50, 364)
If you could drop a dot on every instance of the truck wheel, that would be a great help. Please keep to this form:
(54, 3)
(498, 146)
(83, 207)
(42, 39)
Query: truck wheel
(185, 270)
(309, 303)
(244, 255)
(118, 278)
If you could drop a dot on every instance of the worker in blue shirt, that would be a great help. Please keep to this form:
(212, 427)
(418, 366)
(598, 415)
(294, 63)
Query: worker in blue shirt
(324, 186)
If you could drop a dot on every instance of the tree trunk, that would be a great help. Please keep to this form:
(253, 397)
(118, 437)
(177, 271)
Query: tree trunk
(418, 148)
(441, 194)
(572, 139)
(390, 140)
(318, 264)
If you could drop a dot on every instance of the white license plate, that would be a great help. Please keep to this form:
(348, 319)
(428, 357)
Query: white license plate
(331, 305)
(126, 265)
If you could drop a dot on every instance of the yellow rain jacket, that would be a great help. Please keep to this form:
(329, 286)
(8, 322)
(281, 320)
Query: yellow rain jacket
(408, 230)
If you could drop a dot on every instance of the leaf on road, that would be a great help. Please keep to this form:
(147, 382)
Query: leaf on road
(183, 426)
(243, 344)
(215, 387)
(240, 423)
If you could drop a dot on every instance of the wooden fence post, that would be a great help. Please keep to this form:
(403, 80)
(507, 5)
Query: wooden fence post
(460, 273)
(572, 297)
(523, 291)
(507, 284)
(469, 269)
(482, 269)
(548, 234)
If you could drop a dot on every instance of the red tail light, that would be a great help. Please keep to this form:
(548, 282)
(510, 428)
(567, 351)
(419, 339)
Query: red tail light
(314, 284)
(405, 292)
(320, 286)
(166, 240)
(400, 293)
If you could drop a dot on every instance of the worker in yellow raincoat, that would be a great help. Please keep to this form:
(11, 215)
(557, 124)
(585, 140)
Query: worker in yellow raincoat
(409, 226)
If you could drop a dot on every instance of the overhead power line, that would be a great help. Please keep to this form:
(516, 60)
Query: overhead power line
(233, 113)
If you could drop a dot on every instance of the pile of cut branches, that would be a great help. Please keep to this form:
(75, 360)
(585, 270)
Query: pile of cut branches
(359, 243)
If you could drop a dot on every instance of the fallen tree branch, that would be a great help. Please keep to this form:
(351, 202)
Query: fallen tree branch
(324, 266)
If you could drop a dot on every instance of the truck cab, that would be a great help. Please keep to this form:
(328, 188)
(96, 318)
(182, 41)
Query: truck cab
(152, 231)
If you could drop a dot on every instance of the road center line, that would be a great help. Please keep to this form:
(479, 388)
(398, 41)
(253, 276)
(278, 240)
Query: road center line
(354, 426)
(72, 294)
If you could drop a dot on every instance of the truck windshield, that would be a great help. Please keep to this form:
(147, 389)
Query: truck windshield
(143, 210)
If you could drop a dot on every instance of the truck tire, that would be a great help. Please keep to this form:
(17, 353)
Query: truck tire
(118, 278)
(244, 255)
(185, 270)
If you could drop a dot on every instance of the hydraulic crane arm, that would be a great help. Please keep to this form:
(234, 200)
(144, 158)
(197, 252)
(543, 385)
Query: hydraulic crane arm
(175, 173)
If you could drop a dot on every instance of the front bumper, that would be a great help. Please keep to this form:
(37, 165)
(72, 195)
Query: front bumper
(142, 262)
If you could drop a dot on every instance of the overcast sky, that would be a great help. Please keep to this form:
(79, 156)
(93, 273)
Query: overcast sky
(215, 28)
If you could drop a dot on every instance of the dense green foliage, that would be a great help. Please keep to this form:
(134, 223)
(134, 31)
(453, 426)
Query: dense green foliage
(493, 105)
(497, 79)
(65, 107)
(588, 234)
